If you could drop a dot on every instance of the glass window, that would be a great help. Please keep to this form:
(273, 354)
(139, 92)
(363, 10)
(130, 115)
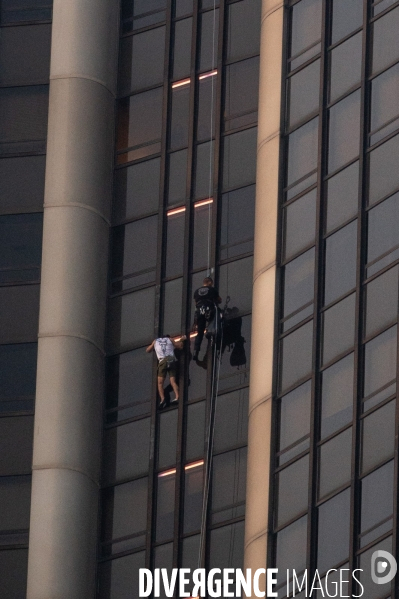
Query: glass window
(131, 319)
(378, 436)
(337, 396)
(165, 505)
(193, 491)
(239, 159)
(335, 463)
(339, 328)
(126, 451)
(176, 220)
(22, 184)
(231, 420)
(15, 11)
(136, 190)
(384, 175)
(206, 107)
(15, 494)
(227, 546)
(209, 23)
(380, 361)
(202, 233)
(183, 7)
(346, 64)
(342, 196)
(235, 282)
(25, 55)
(16, 441)
(299, 282)
(294, 420)
(179, 118)
(377, 503)
(173, 307)
(229, 473)
(300, 224)
(167, 439)
(195, 437)
(17, 376)
(304, 91)
(141, 60)
(370, 589)
(142, 13)
(296, 355)
(20, 247)
(163, 558)
(344, 130)
(204, 170)
(301, 163)
(129, 262)
(306, 25)
(234, 369)
(13, 573)
(243, 29)
(341, 255)
(291, 548)
(383, 231)
(129, 389)
(382, 301)
(333, 533)
(347, 16)
(293, 477)
(238, 222)
(197, 376)
(177, 181)
(182, 49)
(190, 552)
(140, 119)
(118, 577)
(20, 313)
(385, 48)
(124, 515)
(384, 90)
(241, 93)
(23, 118)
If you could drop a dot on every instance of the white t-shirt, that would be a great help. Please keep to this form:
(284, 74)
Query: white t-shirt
(163, 348)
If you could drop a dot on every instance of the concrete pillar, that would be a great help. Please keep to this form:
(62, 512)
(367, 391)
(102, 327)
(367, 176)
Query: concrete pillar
(67, 437)
(263, 306)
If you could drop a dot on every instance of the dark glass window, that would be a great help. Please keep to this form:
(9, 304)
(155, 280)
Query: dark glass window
(346, 63)
(129, 385)
(16, 441)
(342, 196)
(126, 451)
(175, 242)
(163, 558)
(238, 222)
(384, 109)
(183, 7)
(384, 175)
(241, 93)
(377, 503)
(196, 376)
(306, 31)
(131, 319)
(173, 307)
(182, 49)
(17, 376)
(380, 364)
(23, 118)
(344, 131)
(299, 284)
(371, 590)
(204, 170)
(333, 537)
(304, 90)
(206, 107)
(243, 31)
(167, 439)
(339, 328)
(337, 396)
(227, 546)
(209, 23)
(20, 247)
(193, 491)
(22, 184)
(291, 504)
(302, 163)
(383, 235)
(179, 118)
(341, 257)
(13, 573)
(177, 177)
(347, 16)
(15, 11)
(202, 233)
(335, 463)
(20, 314)
(142, 13)
(195, 438)
(385, 48)
(228, 485)
(131, 266)
(25, 55)
(294, 421)
(165, 505)
(141, 60)
(190, 552)
(120, 576)
(382, 301)
(136, 190)
(231, 420)
(235, 366)
(300, 224)
(239, 158)
(15, 494)
(291, 548)
(296, 352)
(378, 436)
(235, 282)
(140, 120)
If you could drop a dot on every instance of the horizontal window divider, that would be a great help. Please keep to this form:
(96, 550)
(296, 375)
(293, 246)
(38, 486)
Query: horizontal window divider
(387, 519)
(278, 529)
(128, 348)
(19, 284)
(237, 115)
(8, 413)
(138, 161)
(106, 487)
(134, 219)
(349, 92)
(172, 278)
(226, 246)
(138, 147)
(132, 275)
(378, 406)
(139, 30)
(110, 558)
(236, 258)
(297, 126)
(334, 434)
(298, 311)
(381, 141)
(226, 523)
(229, 506)
(299, 196)
(190, 402)
(374, 468)
(295, 385)
(386, 386)
(238, 130)
(132, 290)
(232, 448)
(295, 183)
(341, 226)
(136, 93)
(373, 544)
(228, 63)
(345, 39)
(124, 538)
(336, 358)
(337, 567)
(340, 169)
(163, 542)
(385, 328)
(392, 120)
(297, 457)
(25, 23)
(111, 425)
(334, 493)
(381, 201)
(24, 84)
(383, 12)
(285, 334)
(302, 66)
(295, 256)
(339, 299)
(303, 51)
(231, 189)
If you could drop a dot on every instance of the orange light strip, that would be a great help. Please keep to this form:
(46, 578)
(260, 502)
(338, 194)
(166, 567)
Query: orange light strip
(194, 465)
(193, 335)
(176, 211)
(167, 473)
(205, 75)
(203, 203)
(181, 83)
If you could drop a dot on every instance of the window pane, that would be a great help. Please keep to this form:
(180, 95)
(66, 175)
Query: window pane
(209, 24)
(295, 477)
(377, 502)
(301, 163)
(193, 491)
(141, 60)
(299, 282)
(15, 494)
(182, 49)
(20, 247)
(346, 63)
(382, 301)
(234, 369)
(23, 118)
(241, 93)
(165, 505)
(183, 7)
(239, 159)
(341, 255)
(228, 485)
(173, 307)
(204, 170)
(15, 11)
(131, 319)
(380, 361)
(175, 243)
(196, 376)
(238, 222)
(129, 389)
(13, 573)
(243, 29)
(385, 48)
(190, 552)
(383, 228)
(227, 546)
(384, 174)
(333, 534)
(177, 177)
(304, 90)
(337, 396)
(20, 314)
(235, 282)
(118, 577)
(179, 118)
(342, 196)
(291, 548)
(344, 131)
(295, 415)
(16, 441)
(296, 355)
(163, 558)
(371, 590)
(25, 55)
(378, 436)
(335, 463)
(17, 376)
(384, 90)
(347, 16)
(339, 328)
(126, 451)
(136, 190)
(231, 420)
(140, 119)
(22, 184)
(195, 438)
(167, 439)
(306, 25)
(300, 224)
(206, 108)
(202, 234)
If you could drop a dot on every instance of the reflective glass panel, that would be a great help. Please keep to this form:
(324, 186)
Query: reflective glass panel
(243, 29)
(304, 90)
(231, 420)
(229, 473)
(380, 361)
(227, 546)
(175, 243)
(142, 13)
(234, 369)
(141, 60)
(15, 492)
(206, 108)
(291, 548)
(333, 533)
(204, 170)
(15, 11)
(306, 25)
(202, 234)
(384, 90)
(131, 319)
(383, 228)
(384, 174)
(341, 256)
(25, 55)
(372, 590)
(22, 184)
(342, 196)
(296, 355)
(235, 282)
(136, 190)
(239, 158)
(173, 307)
(165, 505)
(209, 24)
(339, 328)
(140, 119)
(183, 7)
(167, 439)
(17, 376)
(346, 63)
(300, 224)
(13, 573)
(20, 247)
(300, 162)
(299, 282)
(20, 313)
(118, 577)
(295, 416)
(378, 436)
(126, 451)
(177, 177)
(193, 491)
(163, 558)
(382, 301)
(385, 48)
(292, 504)
(241, 93)
(182, 49)
(377, 502)
(347, 16)
(179, 118)
(335, 463)
(195, 438)
(238, 222)
(344, 131)
(190, 552)
(337, 396)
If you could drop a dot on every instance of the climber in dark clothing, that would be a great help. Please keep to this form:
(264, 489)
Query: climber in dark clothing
(206, 300)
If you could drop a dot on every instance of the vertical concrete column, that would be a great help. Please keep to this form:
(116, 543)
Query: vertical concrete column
(263, 306)
(66, 455)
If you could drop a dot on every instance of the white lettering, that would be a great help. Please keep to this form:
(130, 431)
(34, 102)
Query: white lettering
(257, 591)
(243, 584)
(199, 580)
(218, 583)
(145, 579)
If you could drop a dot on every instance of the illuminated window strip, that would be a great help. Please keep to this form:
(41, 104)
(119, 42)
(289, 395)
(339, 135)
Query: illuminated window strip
(206, 75)
(176, 211)
(167, 473)
(203, 203)
(181, 83)
(194, 465)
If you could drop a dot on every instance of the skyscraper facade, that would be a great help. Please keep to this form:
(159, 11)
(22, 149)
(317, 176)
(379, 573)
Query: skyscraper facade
(253, 141)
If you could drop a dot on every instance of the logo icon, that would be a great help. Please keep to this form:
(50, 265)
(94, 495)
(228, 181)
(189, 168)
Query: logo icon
(383, 567)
